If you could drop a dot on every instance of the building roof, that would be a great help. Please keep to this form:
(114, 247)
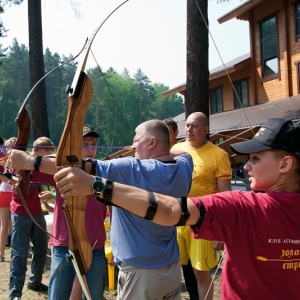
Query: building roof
(240, 11)
(236, 125)
(230, 64)
(248, 117)
(177, 89)
(256, 115)
(228, 67)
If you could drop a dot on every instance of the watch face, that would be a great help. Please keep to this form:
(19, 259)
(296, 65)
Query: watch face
(98, 187)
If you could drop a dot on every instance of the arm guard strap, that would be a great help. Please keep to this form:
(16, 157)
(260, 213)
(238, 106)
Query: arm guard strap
(184, 211)
(93, 161)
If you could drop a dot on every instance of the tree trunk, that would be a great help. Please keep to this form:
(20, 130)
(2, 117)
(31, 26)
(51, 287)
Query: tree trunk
(197, 81)
(40, 126)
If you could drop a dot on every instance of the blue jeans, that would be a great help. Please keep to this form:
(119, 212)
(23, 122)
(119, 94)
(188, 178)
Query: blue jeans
(25, 230)
(63, 273)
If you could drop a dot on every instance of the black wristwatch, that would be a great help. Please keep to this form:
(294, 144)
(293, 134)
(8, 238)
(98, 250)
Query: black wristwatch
(97, 187)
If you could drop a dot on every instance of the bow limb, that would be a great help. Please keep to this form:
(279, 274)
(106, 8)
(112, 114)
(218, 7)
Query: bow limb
(23, 123)
(22, 185)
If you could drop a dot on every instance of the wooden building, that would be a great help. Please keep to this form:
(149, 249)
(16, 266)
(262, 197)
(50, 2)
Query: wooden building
(261, 84)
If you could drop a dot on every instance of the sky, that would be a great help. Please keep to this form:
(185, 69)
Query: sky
(143, 34)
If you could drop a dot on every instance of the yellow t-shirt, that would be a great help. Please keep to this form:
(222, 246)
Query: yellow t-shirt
(210, 163)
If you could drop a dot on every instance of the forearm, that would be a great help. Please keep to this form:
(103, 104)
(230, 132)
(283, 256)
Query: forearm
(47, 164)
(20, 160)
(136, 201)
(75, 182)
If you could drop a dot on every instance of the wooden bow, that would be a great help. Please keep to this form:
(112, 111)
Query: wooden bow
(21, 182)
(70, 154)
(23, 123)
(22, 185)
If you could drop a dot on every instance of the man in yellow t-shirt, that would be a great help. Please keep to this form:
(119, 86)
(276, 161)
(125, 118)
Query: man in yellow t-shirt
(212, 173)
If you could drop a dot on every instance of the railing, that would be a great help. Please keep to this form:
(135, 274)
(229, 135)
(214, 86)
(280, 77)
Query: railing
(240, 179)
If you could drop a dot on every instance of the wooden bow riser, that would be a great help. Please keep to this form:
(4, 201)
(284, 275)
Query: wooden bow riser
(23, 123)
(21, 186)
(70, 154)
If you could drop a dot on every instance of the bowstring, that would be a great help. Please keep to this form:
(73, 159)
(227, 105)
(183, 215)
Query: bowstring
(111, 93)
(46, 75)
(215, 273)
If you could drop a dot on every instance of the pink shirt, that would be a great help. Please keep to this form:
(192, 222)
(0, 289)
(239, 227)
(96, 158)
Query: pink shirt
(261, 232)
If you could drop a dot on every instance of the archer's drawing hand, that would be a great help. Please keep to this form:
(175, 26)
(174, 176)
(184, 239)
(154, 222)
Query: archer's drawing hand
(73, 181)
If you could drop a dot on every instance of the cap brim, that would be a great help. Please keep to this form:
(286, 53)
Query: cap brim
(248, 147)
(91, 133)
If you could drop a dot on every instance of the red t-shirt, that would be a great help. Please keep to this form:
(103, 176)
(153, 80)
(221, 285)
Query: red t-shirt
(32, 199)
(261, 232)
(95, 214)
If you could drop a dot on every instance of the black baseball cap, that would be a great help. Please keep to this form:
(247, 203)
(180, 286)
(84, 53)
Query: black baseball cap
(276, 133)
(88, 130)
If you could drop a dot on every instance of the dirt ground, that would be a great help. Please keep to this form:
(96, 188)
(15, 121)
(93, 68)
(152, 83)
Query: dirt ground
(32, 295)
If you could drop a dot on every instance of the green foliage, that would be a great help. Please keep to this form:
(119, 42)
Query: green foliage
(120, 102)
(3, 30)
(14, 85)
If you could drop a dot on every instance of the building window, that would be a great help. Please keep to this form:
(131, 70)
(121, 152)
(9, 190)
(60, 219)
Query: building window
(216, 101)
(241, 98)
(269, 47)
(297, 19)
(219, 141)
